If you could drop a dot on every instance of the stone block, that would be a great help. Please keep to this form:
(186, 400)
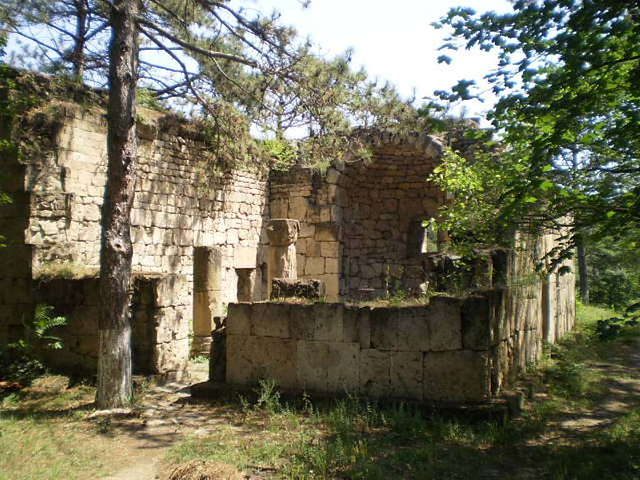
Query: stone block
(250, 359)
(310, 288)
(332, 265)
(413, 329)
(282, 232)
(270, 320)
(172, 290)
(476, 323)
(350, 324)
(312, 360)
(406, 375)
(328, 321)
(239, 318)
(342, 367)
(171, 356)
(458, 376)
(314, 266)
(445, 329)
(375, 366)
(384, 328)
(245, 257)
(364, 327)
(302, 326)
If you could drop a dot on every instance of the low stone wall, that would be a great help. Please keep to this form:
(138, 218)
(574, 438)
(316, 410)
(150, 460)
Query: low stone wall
(161, 323)
(453, 349)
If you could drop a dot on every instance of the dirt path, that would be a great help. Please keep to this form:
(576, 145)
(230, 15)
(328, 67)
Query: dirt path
(166, 418)
(621, 379)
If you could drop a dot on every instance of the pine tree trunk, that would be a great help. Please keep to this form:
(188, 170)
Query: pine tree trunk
(78, 57)
(114, 362)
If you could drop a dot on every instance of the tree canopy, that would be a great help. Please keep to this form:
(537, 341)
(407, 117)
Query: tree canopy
(568, 118)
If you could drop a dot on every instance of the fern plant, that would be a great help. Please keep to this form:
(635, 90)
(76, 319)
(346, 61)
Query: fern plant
(22, 361)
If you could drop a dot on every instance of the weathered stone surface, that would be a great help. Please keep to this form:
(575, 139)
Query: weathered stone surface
(245, 257)
(406, 375)
(238, 320)
(384, 328)
(375, 366)
(456, 376)
(328, 321)
(445, 326)
(283, 232)
(308, 288)
(413, 329)
(271, 320)
(476, 323)
(342, 367)
(303, 323)
(250, 359)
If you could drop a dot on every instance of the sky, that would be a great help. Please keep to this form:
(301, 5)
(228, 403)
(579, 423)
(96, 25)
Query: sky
(392, 39)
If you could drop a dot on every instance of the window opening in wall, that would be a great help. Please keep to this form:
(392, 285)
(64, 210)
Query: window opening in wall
(421, 239)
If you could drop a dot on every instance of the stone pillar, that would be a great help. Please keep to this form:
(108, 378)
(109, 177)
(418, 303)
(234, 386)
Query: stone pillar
(246, 281)
(207, 288)
(282, 234)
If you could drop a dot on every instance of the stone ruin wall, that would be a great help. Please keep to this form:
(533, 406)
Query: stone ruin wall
(454, 349)
(55, 221)
(317, 202)
(356, 220)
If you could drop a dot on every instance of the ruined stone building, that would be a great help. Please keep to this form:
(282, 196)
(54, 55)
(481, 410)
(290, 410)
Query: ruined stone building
(200, 248)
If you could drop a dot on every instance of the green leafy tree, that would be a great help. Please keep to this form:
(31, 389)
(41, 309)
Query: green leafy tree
(568, 114)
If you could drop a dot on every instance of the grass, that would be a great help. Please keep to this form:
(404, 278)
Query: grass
(355, 438)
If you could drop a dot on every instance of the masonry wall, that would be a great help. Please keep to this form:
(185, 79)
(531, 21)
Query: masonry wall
(174, 207)
(458, 349)
(53, 225)
(444, 351)
(357, 219)
(159, 310)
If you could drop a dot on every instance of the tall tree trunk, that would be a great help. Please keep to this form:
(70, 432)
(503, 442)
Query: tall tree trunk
(114, 361)
(78, 58)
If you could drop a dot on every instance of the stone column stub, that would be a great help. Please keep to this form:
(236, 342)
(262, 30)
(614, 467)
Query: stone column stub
(282, 234)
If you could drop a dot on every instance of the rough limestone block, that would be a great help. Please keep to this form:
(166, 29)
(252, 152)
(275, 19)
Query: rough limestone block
(171, 356)
(384, 328)
(172, 290)
(406, 375)
(271, 320)
(312, 360)
(245, 257)
(350, 327)
(456, 376)
(413, 329)
(172, 323)
(302, 326)
(328, 322)
(342, 367)
(375, 367)
(239, 318)
(364, 327)
(309, 288)
(314, 266)
(445, 329)
(250, 359)
(476, 323)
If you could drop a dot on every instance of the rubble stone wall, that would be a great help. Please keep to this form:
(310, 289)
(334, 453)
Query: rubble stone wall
(160, 312)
